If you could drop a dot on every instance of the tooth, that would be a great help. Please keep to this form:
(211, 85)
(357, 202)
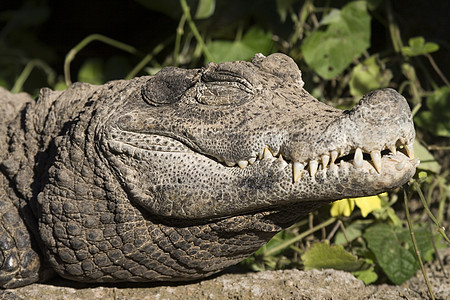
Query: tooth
(400, 165)
(393, 149)
(410, 150)
(281, 161)
(333, 167)
(267, 153)
(376, 159)
(325, 160)
(341, 152)
(313, 165)
(260, 154)
(334, 155)
(242, 164)
(252, 160)
(358, 159)
(297, 169)
(230, 163)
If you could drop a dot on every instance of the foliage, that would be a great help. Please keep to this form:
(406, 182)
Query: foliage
(347, 35)
(255, 40)
(436, 120)
(345, 207)
(394, 251)
(344, 48)
(322, 255)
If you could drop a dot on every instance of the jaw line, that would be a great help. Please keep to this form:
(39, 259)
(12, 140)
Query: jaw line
(390, 162)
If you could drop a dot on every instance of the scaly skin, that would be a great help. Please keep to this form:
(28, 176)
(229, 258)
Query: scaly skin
(177, 176)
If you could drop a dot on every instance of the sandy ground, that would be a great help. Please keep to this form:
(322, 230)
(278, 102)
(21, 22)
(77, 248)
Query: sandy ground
(285, 284)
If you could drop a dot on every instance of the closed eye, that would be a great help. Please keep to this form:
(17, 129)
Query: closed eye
(227, 77)
(223, 88)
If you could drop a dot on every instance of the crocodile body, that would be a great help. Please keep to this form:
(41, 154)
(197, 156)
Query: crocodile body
(177, 176)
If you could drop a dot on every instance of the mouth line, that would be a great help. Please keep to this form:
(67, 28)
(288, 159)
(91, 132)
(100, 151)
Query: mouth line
(399, 153)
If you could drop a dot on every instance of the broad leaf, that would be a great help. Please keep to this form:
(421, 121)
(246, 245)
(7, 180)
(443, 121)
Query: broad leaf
(346, 36)
(368, 204)
(427, 161)
(367, 76)
(394, 251)
(368, 276)
(91, 71)
(342, 207)
(254, 41)
(345, 206)
(436, 120)
(417, 46)
(205, 9)
(323, 256)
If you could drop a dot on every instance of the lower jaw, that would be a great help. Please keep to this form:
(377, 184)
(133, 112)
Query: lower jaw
(343, 180)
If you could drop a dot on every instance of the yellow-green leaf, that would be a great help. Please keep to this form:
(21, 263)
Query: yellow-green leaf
(369, 75)
(205, 9)
(427, 161)
(323, 256)
(345, 207)
(342, 207)
(417, 46)
(368, 204)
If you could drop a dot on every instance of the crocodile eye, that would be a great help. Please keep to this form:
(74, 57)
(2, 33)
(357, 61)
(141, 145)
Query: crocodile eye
(168, 85)
(223, 87)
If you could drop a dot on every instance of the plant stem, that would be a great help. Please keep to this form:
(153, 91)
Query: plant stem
(180, 33)
(427, 209)
(393, 29)
(413, 238)
(436, 68)
(18, 85)
(299, 237)
(194, 30)
(145, 61)
(87, 40)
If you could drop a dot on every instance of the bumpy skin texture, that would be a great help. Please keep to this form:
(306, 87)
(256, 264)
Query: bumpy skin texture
(177, 176)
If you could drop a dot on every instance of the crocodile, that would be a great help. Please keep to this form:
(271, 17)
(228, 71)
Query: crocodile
(177, 176)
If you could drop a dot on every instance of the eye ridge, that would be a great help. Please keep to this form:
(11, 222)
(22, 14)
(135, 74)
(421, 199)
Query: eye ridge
(218, 93)
(220, 76)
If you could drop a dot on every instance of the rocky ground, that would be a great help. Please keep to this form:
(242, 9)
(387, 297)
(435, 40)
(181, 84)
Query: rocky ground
(285, 284)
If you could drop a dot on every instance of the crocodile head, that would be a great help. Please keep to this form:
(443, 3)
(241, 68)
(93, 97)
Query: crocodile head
(241, 137)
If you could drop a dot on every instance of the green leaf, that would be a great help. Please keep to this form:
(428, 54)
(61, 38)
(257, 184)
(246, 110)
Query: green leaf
(60, 85)
(394, 251)
(352, 231)
(91, 71)
(323, 256)
(255, 40)
(437, 119)
(347, 35)
(274, 242)
(368, 276)
(417, 46)
(205, 9)
(427, 161)
(367, 76)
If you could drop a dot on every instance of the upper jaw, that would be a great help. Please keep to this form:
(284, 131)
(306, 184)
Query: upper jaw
(393, 157)
(365, 137)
